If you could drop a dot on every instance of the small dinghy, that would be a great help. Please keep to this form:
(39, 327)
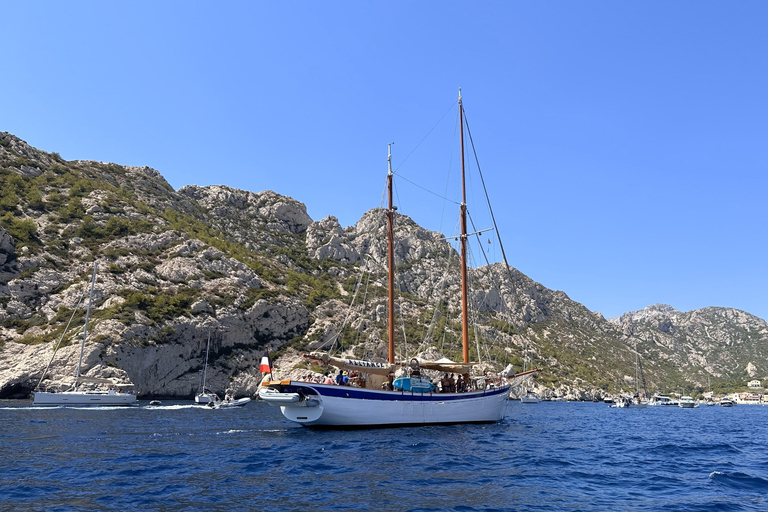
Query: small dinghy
(155, 402)
(229, 402)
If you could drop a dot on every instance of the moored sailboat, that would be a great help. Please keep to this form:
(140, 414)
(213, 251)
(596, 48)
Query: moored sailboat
(409, 399)
(116, 394)
(205, 395)
(634, 402)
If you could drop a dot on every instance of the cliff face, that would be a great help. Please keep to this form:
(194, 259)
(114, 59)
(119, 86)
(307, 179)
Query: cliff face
(254, 271)
(718, 342)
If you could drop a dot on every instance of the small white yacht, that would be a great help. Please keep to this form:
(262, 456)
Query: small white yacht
(530, 398)
(687, 402)
(662, 400)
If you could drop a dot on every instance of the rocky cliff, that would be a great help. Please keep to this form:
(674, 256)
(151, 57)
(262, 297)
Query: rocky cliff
(255, 272)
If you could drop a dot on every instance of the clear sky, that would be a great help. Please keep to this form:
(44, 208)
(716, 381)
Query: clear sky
(625, 144)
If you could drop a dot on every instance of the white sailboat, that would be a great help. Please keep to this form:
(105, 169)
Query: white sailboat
(205, 395)
(529, 396)
(116, 394)
(412, 399)
(628, 402)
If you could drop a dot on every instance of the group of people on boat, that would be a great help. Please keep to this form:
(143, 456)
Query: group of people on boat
(344, 378)
(459, 384)
(447, 383)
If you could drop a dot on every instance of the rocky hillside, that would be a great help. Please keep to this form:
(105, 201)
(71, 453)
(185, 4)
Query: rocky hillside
(254, 271)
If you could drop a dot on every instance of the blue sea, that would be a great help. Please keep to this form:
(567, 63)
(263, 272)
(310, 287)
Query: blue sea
(548, 456)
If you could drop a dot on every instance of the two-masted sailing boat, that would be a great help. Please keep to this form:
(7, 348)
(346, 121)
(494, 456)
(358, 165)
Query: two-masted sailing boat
(116, 394)
(412, 400)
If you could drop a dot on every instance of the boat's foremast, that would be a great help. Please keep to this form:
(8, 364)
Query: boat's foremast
(390, 261)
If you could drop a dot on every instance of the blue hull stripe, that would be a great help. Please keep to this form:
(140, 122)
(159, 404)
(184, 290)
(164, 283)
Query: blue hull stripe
(371, 394)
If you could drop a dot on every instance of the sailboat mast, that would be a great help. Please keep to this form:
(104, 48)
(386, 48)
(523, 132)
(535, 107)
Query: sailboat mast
(464, 293)
(205, 363)
(637, 371)
(390, 261)
(85, 329)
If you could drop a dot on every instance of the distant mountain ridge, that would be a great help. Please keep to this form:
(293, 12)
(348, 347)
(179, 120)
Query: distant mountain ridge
(257, 272)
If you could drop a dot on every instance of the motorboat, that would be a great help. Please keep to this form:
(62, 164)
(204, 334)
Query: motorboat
(229, 403)
(662, 400)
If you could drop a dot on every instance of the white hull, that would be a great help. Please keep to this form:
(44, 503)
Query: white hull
(530, 400)
(205, 399)
(234, 403)
(344, 406)
(83, 398)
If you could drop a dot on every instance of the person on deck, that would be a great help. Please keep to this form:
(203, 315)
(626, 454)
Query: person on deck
(445, 384)
(389, 386)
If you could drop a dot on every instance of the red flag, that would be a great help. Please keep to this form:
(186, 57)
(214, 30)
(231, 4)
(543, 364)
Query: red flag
(266, 364)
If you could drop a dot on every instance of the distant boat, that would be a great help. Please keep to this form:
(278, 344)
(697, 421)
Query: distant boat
(627, 402)
(205, 395)
(662, 400)
(530, 398)
(229, 403)
(687, 402)
(727, 402)
(116, 394)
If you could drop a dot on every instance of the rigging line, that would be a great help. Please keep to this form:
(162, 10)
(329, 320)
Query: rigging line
(438, 298)
(426, 189)
(56, 348)
(450, 166)
(477, 235)
(349, 311)
(488, 201)
(453, 105)
(474, 315)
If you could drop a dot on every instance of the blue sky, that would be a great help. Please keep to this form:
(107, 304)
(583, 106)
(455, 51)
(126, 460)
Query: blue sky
(624, 143)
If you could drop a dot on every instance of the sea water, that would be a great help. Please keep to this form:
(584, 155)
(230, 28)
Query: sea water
(547, 456)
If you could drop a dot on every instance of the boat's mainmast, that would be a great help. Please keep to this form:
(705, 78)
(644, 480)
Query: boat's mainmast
(85, 329)
(390, 261)
(464, 293)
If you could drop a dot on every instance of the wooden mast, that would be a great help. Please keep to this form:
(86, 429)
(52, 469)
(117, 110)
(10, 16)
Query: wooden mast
(390, 261)
(464, 294)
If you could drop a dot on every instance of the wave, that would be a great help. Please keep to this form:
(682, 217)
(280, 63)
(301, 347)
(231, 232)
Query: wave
(741, 481)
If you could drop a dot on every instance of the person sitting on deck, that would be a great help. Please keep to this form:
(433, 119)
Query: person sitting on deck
(328, 379)
(342, 379)
(451, 384)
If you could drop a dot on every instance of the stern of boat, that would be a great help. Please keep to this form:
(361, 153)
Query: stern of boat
(297, 401)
